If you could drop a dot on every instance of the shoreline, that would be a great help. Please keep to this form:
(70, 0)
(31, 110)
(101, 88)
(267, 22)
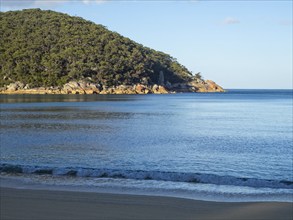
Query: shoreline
(110, 92)
(82, 87)
(131, 187)
(52, 204)
(147, 188)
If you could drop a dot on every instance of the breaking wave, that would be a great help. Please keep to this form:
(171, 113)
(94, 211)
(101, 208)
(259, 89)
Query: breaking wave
(202, 178)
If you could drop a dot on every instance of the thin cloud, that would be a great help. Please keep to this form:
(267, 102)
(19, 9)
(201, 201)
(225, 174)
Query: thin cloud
(230, 20)
(20, 4)
(286, 22)
(16, 3)
(94, 1)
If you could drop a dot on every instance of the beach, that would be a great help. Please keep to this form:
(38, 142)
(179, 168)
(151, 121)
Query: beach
(50, 204)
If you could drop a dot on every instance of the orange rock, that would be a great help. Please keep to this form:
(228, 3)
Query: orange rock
(139, 89)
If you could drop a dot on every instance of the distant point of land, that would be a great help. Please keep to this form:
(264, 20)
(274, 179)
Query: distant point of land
(49, 52)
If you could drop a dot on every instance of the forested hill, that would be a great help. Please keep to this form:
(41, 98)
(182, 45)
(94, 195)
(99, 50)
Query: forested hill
(46, 48)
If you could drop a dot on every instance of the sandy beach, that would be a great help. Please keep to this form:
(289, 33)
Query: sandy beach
(49, 204)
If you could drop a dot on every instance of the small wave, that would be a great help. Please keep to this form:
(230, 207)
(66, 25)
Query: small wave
(148, 175)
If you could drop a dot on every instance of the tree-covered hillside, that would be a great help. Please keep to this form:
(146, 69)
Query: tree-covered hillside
(46, 48)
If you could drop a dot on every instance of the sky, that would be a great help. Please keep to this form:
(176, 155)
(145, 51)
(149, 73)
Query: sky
(238, 44)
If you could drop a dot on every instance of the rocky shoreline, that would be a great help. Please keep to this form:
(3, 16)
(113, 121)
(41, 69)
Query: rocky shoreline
(82, 87)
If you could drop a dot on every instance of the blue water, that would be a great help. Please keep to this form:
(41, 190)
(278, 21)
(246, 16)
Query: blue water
(241, 138)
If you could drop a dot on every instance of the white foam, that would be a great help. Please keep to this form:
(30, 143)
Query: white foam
(195, 178)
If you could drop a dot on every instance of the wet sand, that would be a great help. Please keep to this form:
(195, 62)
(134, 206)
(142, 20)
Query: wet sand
(50, 204)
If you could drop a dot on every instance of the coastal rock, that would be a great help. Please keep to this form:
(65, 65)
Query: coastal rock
(212, 86)
(205, 86)
(27, 86)
(182, 87)
(40, 90)
(15, 86)
(147, 91)
(122, 89)
(73, 84)
(91, 88)
(155, 88)
(139, 89)
(70, 87)
(159, 89)
(105, 91)
(96, 88)
(83, 87)
(80, 87)
(129, 91)
(162, 90)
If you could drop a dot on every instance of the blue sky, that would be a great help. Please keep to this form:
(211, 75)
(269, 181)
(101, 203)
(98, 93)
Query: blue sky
(238, 44)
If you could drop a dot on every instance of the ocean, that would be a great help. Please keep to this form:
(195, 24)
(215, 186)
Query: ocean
(233, 146)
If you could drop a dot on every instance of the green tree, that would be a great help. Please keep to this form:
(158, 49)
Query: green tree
(46, 48)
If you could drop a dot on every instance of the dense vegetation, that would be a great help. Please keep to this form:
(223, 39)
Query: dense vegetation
(46, 48)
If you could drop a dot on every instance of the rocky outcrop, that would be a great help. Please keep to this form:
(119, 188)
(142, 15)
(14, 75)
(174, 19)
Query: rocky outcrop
(82, 87)
(212, 86)
(204, 86)
(159, 89)
(15, 86)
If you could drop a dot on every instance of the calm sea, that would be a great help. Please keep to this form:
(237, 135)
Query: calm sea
(234, 146)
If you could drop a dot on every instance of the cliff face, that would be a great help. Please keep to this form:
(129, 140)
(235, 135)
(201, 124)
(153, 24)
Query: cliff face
(50, 52)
